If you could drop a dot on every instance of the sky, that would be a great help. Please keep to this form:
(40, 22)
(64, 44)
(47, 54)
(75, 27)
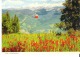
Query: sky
(30, 3)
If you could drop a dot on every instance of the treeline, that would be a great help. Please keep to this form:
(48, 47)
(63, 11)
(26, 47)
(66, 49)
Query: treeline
(70, 18)
(10, 24)
(71, 14)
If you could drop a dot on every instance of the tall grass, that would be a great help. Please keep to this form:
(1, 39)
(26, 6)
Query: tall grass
(43, 42)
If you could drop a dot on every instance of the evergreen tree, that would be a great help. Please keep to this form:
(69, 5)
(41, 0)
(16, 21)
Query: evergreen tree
(15, 24)
(6, 25)
(10, 25)
(18, 25)
(71, 14)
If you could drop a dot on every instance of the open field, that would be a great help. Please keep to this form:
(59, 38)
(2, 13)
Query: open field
(43, 42)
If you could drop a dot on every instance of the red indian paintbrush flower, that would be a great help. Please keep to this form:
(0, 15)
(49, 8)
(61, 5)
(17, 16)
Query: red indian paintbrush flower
(68, 41)
(40, 41)
(61, 40)
(51, 41)
(36, 45)
(76, 40)
(32, 43)
(3, 49)
(46, 41)
(63, 43)
(71, 47)
(73, 36)
(19, 43)
(57, 42)
(50, 47)
(44, 47)
(12, 49)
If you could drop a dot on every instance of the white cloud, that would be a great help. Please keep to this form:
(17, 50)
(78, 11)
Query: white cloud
(44, 0)
(28, 3)
(44, 5)
(12, 3)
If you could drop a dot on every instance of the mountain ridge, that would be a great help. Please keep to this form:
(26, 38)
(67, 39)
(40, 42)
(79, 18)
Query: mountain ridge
(46, 18)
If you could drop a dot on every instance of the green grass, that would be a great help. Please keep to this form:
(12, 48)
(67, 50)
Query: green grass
(14, 38)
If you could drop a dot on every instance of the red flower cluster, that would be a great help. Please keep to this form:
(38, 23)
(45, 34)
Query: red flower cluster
(43, 45)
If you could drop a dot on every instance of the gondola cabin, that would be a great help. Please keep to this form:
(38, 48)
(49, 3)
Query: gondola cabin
(36, 16)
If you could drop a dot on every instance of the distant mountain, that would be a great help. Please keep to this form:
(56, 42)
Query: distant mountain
(47, 16)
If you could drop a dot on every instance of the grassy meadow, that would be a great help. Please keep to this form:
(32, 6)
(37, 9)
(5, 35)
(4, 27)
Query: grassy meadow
(42, 42)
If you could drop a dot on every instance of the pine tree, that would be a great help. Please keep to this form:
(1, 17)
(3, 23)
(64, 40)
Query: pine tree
(71, 14)
(6, 25)
(10, 25)
(15, 24)
(18, 25)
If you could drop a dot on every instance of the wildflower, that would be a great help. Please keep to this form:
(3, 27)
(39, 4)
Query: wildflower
(57, 42)
(68, 41)
(71, 46)
(37, 47)
(32, 44)
(52, 42)
(50, 47)
(7, 49)
(3, 49)
(61, 40)
(63, 43)
(73, 36)
(40, 41)
(48, 50)
(12, 49)
(76, 40)
(46, 41)
(19, 43)
(40, 50)
(44, 47)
